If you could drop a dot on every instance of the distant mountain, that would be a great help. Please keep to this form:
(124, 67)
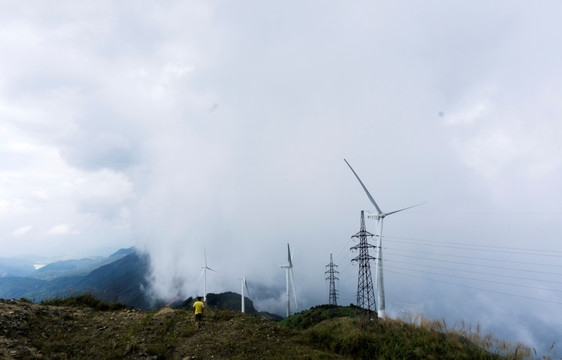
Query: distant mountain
(121, 277)
(231, 301)
(120, 281)
(122, 253)
(228, 301)
(15, 287)
(16, 267)
(78, 267)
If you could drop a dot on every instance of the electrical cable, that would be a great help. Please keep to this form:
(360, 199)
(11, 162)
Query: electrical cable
(475, 258)
(481, 265)
(481, 280)
(472, 244)
(472, 271)
(477, 288)
(494, 249)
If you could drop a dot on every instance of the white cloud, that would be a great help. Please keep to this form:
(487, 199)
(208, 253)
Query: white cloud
(22, 230)
(62, 229)
(468, 115)
(492, 152)
(111, 130)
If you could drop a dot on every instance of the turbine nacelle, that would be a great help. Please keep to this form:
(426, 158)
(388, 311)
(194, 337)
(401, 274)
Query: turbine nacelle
(375, 216)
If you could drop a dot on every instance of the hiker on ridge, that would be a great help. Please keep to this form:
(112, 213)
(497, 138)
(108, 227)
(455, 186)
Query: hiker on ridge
(198, 308)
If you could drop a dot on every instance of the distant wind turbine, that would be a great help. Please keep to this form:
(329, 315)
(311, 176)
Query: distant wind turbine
(242, 286)
(290, 277)
(380, 215)
(204, 274)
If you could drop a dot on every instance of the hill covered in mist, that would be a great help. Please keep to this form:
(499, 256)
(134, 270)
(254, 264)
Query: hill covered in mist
(120, 277)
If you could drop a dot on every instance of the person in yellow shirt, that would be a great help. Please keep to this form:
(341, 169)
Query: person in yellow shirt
(198, 308)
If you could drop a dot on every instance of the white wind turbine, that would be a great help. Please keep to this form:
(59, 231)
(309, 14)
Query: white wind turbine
(380, 215)
(290, 275)
(242, 286)
(204, 274)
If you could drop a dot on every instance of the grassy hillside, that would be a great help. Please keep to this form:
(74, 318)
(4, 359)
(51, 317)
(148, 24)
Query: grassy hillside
(86, 328)
(351, 331)
(82, 328)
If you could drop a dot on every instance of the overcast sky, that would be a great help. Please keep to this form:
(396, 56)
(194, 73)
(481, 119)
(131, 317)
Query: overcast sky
(179, 125)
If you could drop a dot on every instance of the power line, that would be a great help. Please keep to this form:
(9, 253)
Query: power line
(488, 250)
(477, 288)
(474, 257)
(482, 265)
(474, 246)
(340, 256)
(474, 272)
(481, 280)
(488, 212)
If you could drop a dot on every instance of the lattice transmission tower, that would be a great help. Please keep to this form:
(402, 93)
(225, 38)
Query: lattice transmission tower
(331, 272)
(365, 292)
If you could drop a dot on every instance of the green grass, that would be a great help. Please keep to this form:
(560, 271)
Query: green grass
(389, 339)
(85, 300)
(351, 332)
(86, 328)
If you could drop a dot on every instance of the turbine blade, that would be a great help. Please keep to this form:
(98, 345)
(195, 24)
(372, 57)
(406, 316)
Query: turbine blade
(200, 275)
(409, 207)
(246, 286)
(364, 188)
(205, 253)
(293, 284)
(289, 255)
(211, 269)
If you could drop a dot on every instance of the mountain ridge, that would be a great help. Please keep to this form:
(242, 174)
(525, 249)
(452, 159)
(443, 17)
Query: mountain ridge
(84, 328)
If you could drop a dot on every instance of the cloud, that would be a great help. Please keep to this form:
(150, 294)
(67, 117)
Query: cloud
(62, 229)
(468, 115)
(22, 230)
(118, 131)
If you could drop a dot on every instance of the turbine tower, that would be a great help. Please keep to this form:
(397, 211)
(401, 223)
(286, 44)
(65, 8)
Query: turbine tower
(331, 272)
(204, 273)
(242, 286)
(290, 277)
(380, 215)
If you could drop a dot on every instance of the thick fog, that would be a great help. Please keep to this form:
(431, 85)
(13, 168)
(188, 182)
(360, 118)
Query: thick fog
(189, 127)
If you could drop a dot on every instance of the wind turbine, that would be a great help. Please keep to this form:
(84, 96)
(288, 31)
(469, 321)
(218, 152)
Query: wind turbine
(290, 275)
(242, 286)
(380, 215)
(204, 273)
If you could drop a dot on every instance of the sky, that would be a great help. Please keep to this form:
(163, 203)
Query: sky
(189, 127)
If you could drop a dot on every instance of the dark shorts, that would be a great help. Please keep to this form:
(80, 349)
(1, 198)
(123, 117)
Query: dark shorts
(198, 317)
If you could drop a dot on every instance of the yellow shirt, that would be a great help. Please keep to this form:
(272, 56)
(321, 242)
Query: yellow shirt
(198, 306)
